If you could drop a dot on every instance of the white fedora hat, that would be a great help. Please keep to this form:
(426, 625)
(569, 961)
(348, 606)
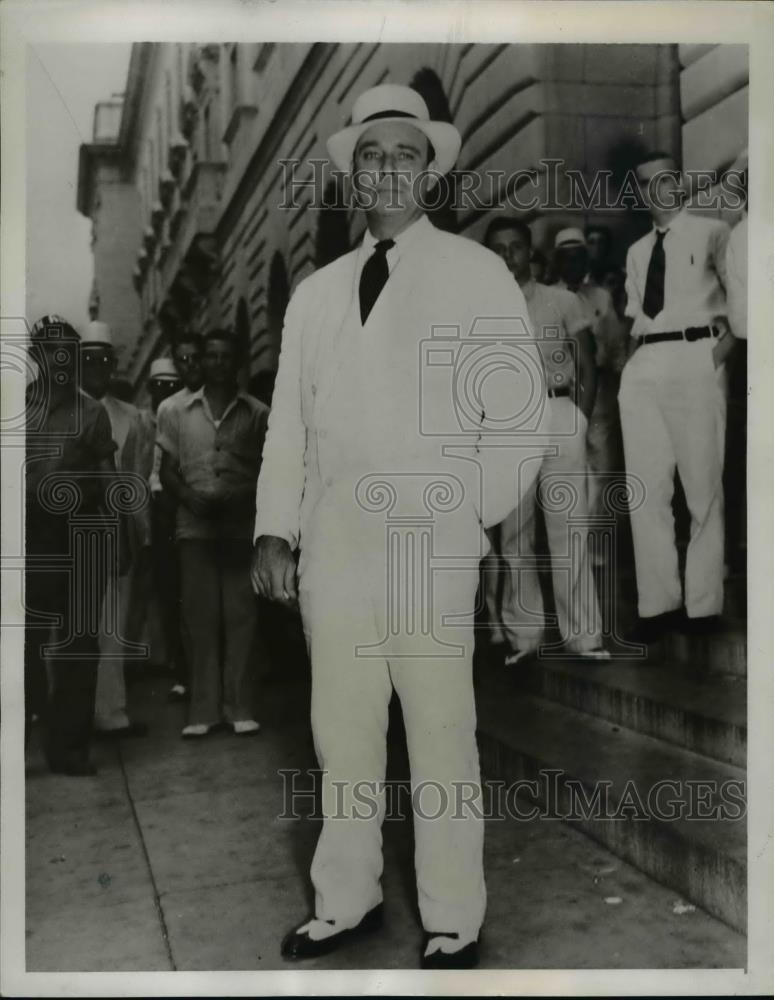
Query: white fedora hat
(96, 332)
(391, 102)
(164, 368)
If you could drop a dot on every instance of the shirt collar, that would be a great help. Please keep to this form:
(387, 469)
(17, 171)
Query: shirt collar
(189, 400)
(402, 240)
(676, 223)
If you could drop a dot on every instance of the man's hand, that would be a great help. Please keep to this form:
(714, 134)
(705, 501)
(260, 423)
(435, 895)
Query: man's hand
(273, 572)
(725, 343)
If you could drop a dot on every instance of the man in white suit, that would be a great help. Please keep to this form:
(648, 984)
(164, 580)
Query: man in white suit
(366, 435)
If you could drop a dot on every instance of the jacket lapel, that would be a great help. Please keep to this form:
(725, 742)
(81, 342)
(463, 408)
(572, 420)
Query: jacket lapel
(386, 319)
(333, 310)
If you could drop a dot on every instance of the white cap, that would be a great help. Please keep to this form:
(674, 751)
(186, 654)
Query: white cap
(570, 237)
(96, 332)
(163, 368)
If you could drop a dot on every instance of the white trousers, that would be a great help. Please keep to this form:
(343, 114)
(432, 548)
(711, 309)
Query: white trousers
(344, 590)
(673, 415)
(110, 704)
(518, 615)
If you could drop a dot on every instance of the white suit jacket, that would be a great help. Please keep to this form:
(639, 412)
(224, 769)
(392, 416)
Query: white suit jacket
(453, 365)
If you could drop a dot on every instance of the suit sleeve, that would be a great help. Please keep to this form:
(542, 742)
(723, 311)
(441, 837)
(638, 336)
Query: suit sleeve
(516, 418)
(282, 477)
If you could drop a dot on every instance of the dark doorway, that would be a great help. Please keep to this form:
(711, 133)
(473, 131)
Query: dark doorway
(427, 83)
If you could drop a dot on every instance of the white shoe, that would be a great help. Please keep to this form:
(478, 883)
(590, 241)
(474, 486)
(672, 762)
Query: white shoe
(517, 656)
(595, 654)
(196, 731)
(246, 727)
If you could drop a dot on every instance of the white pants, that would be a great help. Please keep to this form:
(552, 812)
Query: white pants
(110, 705)
(343, 595)
(673, 415)
(563, 486)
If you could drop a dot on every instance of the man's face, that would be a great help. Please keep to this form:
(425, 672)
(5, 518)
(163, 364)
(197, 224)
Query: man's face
(388, 157)
(572, 264)
(219, 362)
(661, 186)
(97, 364)
(514, 249)
(598, 246)
(161, 389)
(188, 361)
(537, 267)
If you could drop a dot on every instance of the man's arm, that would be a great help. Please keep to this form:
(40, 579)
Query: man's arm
(174, 484)
(283, 474)
(586, 382)
(718, 247)
(509, 463)
(282, 477)
(736, 276)
(578, 329)
(633, 308)
(172, 481)
(718, 255)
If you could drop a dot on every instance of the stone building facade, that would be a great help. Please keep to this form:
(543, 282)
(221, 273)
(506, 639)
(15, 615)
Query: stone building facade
(199, 184)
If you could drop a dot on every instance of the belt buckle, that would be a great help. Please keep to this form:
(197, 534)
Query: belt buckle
(690, 334)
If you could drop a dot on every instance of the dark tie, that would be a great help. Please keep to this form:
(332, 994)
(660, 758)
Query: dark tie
(653, 302)
(374, 277)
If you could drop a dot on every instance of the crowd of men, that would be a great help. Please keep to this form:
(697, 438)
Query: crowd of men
(183, 570)
(632, 368)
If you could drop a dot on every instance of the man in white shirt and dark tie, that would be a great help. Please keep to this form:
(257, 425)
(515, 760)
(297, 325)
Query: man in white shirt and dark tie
(673, 403)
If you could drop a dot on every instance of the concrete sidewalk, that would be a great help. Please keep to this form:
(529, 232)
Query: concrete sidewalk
(174, 857)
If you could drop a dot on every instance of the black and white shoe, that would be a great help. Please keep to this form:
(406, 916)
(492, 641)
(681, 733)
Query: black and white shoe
(435, 957)
(299, 944)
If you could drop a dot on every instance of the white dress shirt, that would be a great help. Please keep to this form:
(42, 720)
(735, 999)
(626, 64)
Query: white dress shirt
(402, 242)
(557, 317)
(694, 279)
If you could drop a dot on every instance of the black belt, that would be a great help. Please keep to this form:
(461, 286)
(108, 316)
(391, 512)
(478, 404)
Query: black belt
(562, 390)
(690, 334)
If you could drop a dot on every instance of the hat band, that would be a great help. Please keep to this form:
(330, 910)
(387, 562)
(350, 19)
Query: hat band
(388, 114)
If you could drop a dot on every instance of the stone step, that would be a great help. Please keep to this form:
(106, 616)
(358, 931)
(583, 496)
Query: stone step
(700, 853)
(704, 714)
(722, 653)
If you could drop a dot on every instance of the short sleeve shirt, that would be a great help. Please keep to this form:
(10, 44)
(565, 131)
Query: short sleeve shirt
(165, 404)
(557, 317)
(215, 458)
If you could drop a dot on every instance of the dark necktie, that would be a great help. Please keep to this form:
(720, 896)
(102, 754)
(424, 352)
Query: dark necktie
(653, 301)
(374, 277)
